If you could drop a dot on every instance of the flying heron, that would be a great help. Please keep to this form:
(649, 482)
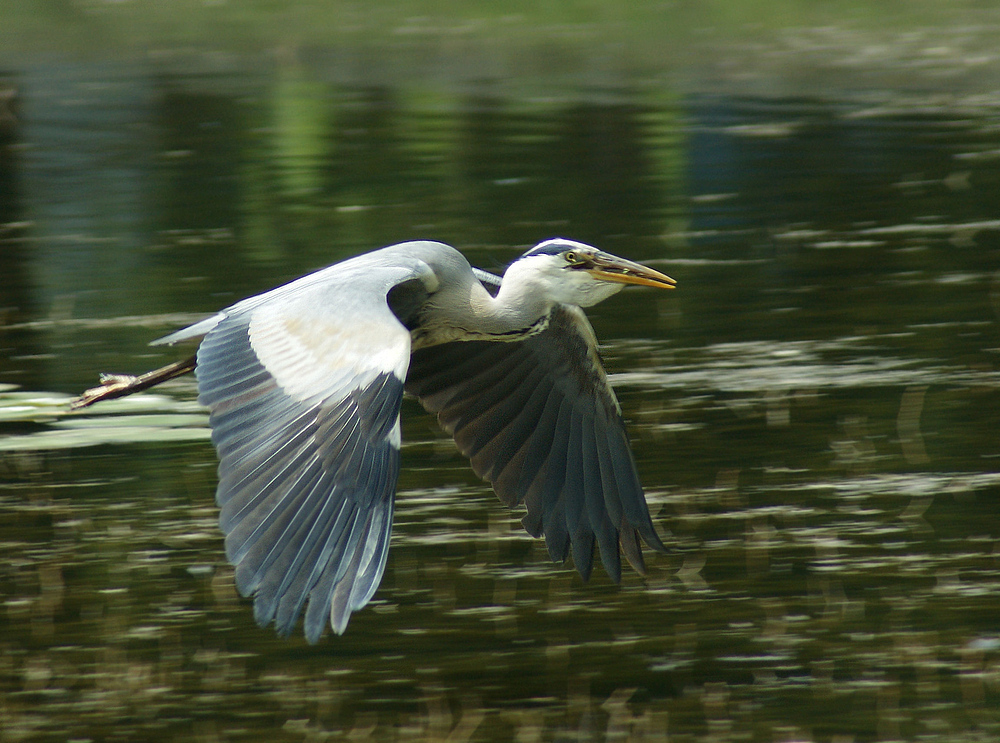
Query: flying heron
(304, 385)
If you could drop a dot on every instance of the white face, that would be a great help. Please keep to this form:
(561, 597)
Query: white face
(557, 279)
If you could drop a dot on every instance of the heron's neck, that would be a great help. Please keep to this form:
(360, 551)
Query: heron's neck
(518, 308)
(464, 310)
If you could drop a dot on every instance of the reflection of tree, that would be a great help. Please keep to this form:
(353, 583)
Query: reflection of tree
(600, 172)
(581, 170)
(374, 183)
(368, 144)
(211, 178)
(13, 253)
(339, 170)
(842, 218)
(16, 298)
(202, 138)
(500, 158)
(202, 144)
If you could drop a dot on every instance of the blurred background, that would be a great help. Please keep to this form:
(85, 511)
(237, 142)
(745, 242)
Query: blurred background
(814, 410)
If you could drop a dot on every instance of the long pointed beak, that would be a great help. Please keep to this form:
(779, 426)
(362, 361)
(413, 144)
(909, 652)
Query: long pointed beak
(609, 267)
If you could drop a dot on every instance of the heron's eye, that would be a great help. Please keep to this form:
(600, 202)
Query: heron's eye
(571, 257)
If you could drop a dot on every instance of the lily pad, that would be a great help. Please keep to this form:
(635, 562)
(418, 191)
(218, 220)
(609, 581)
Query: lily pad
(135, 419)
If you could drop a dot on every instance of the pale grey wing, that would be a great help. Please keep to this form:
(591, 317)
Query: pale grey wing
(538, 419)
(198, 330)
(304, 393)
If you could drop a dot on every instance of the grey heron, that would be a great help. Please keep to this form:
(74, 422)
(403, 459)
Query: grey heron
(304, 385)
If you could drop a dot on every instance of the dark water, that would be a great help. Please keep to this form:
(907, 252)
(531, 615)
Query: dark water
(814, 413)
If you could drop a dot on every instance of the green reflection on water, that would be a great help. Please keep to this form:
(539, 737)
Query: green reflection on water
(813, 413)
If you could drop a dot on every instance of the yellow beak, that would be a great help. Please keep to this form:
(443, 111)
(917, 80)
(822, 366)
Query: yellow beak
(609, 267)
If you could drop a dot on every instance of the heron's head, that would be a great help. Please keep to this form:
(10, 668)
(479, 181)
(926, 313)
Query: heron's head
(575, 273)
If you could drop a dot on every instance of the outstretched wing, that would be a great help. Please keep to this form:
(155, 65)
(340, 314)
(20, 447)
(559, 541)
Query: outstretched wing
(304, 387)
(538, 419)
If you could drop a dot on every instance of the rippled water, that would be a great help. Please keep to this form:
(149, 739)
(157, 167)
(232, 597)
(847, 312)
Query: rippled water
(814, 413)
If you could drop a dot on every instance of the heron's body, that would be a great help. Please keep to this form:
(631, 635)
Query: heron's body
(304, 385)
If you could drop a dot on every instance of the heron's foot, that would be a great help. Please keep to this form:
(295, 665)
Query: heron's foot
(112, 386)
(120, 385)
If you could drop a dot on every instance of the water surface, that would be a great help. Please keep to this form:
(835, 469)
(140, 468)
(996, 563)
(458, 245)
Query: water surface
(814, 410)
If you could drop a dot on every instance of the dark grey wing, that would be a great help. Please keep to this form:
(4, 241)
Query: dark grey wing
(538, 419)
(304, 390)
